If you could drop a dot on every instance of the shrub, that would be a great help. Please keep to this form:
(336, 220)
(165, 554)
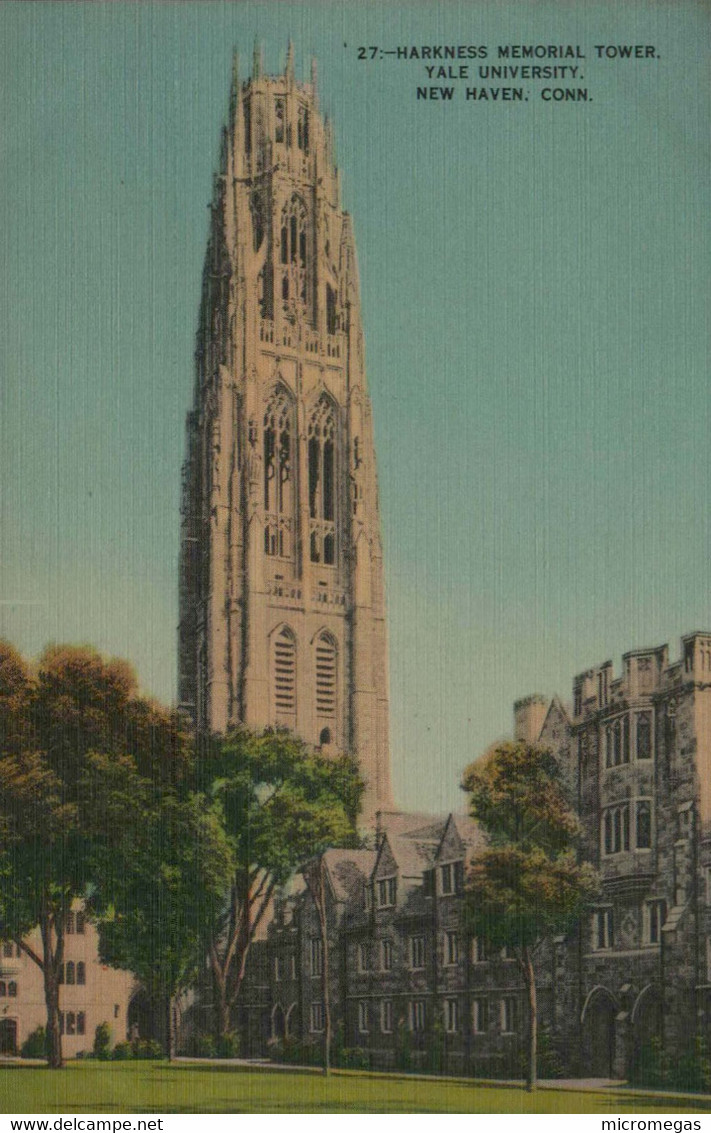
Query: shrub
(102, 1041)
(434, 1061)
(296, 1053)
(146, 1048)
(690, 1070)
(353, 1058)
(200, 1046)
(35, 1045)
(122, 1051)
(227, 1046)
(403, 1055)
(548, 1063)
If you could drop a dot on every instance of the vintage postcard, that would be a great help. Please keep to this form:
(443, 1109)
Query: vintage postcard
(355, 673)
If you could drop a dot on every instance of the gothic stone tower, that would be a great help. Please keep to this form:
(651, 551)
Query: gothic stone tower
(282, 612)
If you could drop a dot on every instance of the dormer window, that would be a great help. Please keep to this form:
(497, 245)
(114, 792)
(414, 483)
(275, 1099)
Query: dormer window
(387, 892)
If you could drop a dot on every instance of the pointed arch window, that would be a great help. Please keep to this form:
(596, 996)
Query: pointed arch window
(326, 660)
(279, 120)
(284, 672)
(293, 253)
(279, 476)
(322, 482)
(302, 129)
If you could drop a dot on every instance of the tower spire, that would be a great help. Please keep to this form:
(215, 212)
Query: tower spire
(257, 60)
(314, 82)
(234, 88)
(290, 63)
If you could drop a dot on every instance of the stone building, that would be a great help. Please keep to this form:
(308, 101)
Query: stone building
(282, 609)
(91, 993)
(410, 983)
(409, 986)
(636, 750)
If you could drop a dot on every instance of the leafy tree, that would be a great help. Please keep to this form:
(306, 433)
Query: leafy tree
(527, 884)
(160, 884)
(52, 719)
(281, 802)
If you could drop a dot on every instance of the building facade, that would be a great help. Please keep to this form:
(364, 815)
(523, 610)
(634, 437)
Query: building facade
(637, 754)
(282, 607)
(90, 993)
(410, 986)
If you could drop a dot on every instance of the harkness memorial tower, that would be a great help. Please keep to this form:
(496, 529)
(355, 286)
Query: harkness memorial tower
(282, 608)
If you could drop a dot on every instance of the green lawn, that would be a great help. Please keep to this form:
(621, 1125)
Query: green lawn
(156, 1087)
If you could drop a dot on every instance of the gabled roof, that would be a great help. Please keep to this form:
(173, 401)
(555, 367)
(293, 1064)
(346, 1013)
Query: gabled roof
(396, 822)
(556, 710)
(462, 838)
(386, 863)
(349, 871)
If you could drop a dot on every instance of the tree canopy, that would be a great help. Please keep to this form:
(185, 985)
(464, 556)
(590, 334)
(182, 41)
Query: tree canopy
(528, 883)
(281, 801)
(56, 719)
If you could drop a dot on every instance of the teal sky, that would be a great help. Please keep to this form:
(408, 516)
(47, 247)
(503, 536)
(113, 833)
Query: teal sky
(535, 283)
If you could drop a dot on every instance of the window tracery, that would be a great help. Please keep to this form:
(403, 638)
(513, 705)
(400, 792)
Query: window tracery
(322, 482)
(279, 476)
(293, 247)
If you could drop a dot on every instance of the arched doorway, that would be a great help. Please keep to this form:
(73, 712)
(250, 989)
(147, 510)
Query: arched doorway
(646, 1020)
(278, 1022)
(8, 1036)
(598, 1033)
(141, 1016)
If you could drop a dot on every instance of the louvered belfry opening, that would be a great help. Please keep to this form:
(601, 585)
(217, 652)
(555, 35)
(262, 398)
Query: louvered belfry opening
(285, 673)
(326, 662)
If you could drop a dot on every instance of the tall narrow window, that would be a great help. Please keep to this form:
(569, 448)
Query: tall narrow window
(296, 281)
(326, 683)
(316, 957)
(284, 672)
(480, 1015)
(278, 477)
(644, 736)
(71, 975)
(279, 120)
(331, 321)
(644, 825)
(247, 128)
(616, 829)
(322, 482)
(302, 129)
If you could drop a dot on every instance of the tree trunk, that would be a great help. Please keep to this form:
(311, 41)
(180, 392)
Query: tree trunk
(221, 1006)
(169, 1027)
(50, 971)
(54, 1039)
(325, 985)
(530, 980)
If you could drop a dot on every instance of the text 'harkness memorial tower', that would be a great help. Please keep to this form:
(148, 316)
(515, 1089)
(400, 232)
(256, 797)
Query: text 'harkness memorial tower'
(282, 611)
